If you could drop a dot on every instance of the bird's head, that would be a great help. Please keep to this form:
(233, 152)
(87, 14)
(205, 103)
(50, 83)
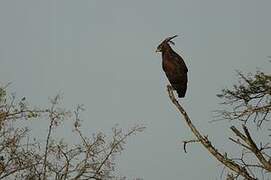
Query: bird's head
(164, 45)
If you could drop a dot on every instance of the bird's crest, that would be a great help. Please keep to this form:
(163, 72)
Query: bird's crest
(165, 44)
(168, 40)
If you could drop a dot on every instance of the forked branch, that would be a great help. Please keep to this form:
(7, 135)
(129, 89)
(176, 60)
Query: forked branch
(251, 145)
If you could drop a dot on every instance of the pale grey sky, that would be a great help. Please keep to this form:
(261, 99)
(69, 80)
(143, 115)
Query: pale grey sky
(102, 54)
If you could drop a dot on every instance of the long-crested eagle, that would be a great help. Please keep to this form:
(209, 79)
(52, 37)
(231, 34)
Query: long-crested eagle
(174, 66)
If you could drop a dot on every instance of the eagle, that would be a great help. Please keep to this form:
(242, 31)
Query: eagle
(173, 66)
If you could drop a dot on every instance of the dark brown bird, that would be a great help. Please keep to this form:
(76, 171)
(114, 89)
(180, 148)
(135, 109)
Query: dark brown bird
(174, 66)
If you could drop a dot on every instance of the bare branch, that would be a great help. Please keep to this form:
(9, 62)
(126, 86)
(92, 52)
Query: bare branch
(206, 143)
(251, 145)
(189, 141)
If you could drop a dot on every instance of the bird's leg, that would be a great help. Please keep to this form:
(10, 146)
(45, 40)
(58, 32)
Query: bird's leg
(169, 87)
(171, 92)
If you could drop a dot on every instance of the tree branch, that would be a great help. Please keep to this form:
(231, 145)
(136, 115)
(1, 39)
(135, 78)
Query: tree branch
(252, 146)
(206, 143)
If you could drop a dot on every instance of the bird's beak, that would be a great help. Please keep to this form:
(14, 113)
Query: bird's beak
(157, 50)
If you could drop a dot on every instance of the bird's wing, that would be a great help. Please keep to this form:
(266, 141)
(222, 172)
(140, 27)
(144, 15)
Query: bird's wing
(176, 72)
(179, 62)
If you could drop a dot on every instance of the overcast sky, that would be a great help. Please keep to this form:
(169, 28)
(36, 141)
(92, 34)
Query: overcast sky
(102, 54)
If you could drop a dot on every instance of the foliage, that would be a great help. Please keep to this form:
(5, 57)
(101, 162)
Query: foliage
(250, 99)
(25, 157)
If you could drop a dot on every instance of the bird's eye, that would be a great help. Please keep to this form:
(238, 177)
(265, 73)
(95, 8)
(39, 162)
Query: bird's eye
(158, 49)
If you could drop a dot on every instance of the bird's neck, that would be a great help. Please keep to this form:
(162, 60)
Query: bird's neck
(167, 52)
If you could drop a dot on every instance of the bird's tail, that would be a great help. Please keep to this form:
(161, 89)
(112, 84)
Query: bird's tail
(181, 91)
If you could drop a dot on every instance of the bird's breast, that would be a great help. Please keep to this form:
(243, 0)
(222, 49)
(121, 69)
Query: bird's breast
(168, 66)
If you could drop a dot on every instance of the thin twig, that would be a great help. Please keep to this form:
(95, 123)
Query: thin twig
(189, 141)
